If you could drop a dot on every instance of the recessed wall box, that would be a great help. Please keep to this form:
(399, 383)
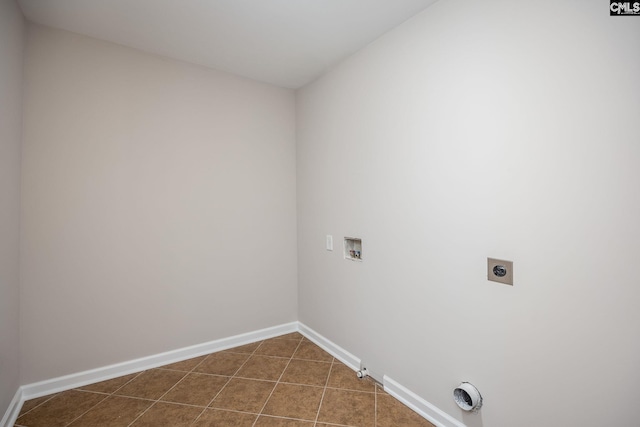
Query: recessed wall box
(353, 248)
(500, 271)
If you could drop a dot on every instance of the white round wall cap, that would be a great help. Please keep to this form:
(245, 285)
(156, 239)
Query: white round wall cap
(467, 397)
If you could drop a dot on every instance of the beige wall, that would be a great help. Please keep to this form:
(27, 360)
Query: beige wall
(158, 205)
(11, 54)
(483, 129)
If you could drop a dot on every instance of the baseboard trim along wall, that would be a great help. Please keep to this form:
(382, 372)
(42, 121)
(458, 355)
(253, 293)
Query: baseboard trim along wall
(333, 349)
(427, 410)
(55, 385)
(436, 416)
(68, 382)
(11, 415)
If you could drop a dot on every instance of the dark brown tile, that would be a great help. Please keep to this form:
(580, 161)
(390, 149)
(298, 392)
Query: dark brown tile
(247, 348)
(309, 351)
(307, 372)
(243, 395)
(185, 365)
(294, 401)
(220, 418)
(222, 363)
(263, 368)
(168, 415)
(278, 347)
(114, 411)
(151, 384)
(108, 386)
(32, 403)
(343, 377)
(391, 413)
(292, 336)
(266, 421)
(196, 389)
(61, 410)
(353, 408)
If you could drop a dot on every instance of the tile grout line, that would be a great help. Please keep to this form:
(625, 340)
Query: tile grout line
(185, 373)
(278, 381)
(271, 354)
(107, 395)
(38, 405)
(375, 405)
(101, 400)
(219, 391)
(324, 390)
(126, 383)
(228, 381)
(158, 400)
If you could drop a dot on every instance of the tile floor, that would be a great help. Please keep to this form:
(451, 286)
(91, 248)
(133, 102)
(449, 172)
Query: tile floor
(286, 381)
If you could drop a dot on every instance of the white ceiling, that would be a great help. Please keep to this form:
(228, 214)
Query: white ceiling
(284, 42)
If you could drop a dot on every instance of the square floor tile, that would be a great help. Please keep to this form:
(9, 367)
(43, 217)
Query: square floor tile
(309, 351)
(247, 348)
(114, 411)
(151, 384)
(168, 415)
(243, 395)
(196, 389)
(240, 388)
(391, 413)
(220, 418)
(266, 421)
(61, 410)
(344, 377)
(294, 401)
(292, 336)
(108, 386)
(32, 403)
(278, 347)
(352, 408)
(222, 363)
(307, 372)
(185, 365)
(263, 368)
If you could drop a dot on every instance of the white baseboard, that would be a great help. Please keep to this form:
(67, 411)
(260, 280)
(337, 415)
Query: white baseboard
(427, 410)
(55, 385)
(67, 382)
(333, 349)
(11, 415)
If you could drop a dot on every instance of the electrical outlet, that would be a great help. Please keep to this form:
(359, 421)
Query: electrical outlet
(500, 271)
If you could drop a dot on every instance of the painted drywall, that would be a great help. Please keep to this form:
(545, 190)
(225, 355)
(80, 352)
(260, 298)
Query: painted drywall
(158, 205)
(474, 130)
(11, 59)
